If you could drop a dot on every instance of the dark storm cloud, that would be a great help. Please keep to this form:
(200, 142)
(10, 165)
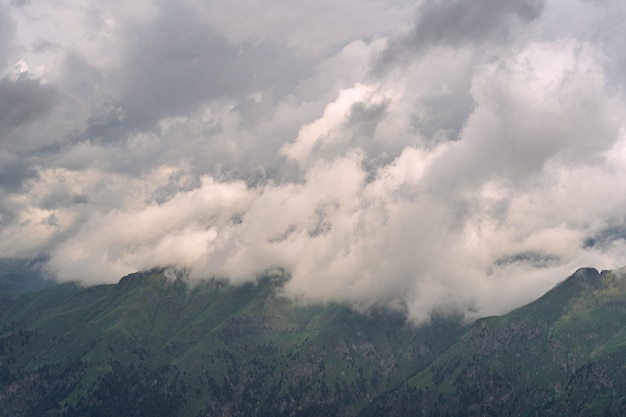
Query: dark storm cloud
(7, 29)
(20, 3)
(23, 101)
(177, 182)
(14, 173)
(536, 259)
(607, 236)
(43, 45)
(61, 198)
(365, 117)
(463, 22)
(445, 115)
(608, 32)
(51, 220)
(464, 30)
(175, 62)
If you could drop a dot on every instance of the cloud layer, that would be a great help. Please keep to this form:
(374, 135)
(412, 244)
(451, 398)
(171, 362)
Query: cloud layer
(428, 156)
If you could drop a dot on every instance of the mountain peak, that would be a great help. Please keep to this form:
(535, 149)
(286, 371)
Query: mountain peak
(586, 278)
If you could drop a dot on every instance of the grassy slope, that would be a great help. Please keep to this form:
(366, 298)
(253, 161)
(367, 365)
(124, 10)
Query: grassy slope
(218, 349)
(239, 347)
(538, 360)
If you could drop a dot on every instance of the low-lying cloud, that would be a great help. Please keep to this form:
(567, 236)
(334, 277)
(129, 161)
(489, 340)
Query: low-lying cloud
(467, 177)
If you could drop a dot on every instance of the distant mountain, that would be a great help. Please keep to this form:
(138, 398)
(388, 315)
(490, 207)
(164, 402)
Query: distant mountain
(153, 346)
(18, 276)
(562, 355)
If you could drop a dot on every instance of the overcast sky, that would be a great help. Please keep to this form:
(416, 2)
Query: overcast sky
(455, 156)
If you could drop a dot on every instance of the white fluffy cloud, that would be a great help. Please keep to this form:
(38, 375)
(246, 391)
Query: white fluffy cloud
(427, 156)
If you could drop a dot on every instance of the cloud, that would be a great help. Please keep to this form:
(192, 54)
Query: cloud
(549, 101)
(462, 161)
(22, 101)
(7, 33)
(322, 131)
(13, 173)
(461, 23)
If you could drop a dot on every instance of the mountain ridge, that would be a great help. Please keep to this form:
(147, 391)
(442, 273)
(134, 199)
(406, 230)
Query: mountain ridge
(216, 349)
(528, 362)
(245, 347)
(19, 276)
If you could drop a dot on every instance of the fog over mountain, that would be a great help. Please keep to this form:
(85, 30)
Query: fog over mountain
(449, 156)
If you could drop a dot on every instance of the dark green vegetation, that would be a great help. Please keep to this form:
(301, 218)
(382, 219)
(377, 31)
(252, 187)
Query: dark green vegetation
(562, 355)
(152, 346)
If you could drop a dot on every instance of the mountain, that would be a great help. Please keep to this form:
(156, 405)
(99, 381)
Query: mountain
(564, 354)
(18, 276)
(152, 345)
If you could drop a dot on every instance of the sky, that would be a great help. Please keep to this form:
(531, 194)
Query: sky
(428, 156)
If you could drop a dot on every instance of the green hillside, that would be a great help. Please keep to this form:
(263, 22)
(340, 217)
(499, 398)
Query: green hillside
(563, 354)
(152, 346)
